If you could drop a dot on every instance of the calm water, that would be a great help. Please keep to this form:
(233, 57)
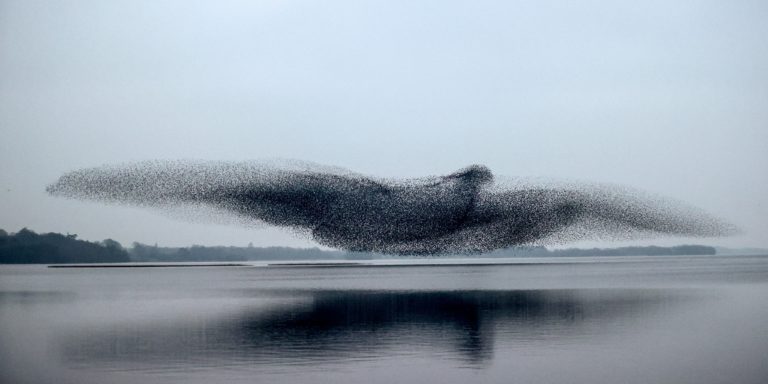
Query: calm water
(624, 320)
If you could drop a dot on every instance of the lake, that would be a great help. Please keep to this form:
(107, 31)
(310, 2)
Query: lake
(701, 319)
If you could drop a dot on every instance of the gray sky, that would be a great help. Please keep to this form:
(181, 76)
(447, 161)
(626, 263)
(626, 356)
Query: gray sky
(667, 96)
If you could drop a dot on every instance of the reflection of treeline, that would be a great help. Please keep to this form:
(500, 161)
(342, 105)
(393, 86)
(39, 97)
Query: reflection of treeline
(28, 247)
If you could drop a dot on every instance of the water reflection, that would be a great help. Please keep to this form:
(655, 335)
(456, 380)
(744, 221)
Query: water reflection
(311, 327)
(35, 297)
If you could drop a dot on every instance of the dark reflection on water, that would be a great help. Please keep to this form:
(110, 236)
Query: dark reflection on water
(27, 297)
(327, 326)
(646, 320)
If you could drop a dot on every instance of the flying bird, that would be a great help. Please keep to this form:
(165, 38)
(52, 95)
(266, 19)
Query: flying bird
(467, 211)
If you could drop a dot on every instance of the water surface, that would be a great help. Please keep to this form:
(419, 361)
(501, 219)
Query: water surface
(557, 320)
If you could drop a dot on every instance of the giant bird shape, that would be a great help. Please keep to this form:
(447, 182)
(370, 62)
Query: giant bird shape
(463, 212)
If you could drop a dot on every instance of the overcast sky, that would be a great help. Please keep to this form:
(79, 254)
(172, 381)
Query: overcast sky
(666, 96)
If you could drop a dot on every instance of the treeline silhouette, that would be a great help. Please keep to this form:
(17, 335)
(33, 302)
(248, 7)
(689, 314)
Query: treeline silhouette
(28, 247)
(145, 253)
(621, 251)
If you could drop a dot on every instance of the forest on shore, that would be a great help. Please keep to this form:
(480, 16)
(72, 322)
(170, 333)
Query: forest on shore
(29, 247)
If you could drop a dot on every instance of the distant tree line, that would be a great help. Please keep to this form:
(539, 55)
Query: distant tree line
(142, 252)
(540, 251)
(145, 253)
(28, 247)
(679, 250)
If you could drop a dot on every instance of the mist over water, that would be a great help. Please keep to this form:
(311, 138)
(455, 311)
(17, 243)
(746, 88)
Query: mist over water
(595, 320)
